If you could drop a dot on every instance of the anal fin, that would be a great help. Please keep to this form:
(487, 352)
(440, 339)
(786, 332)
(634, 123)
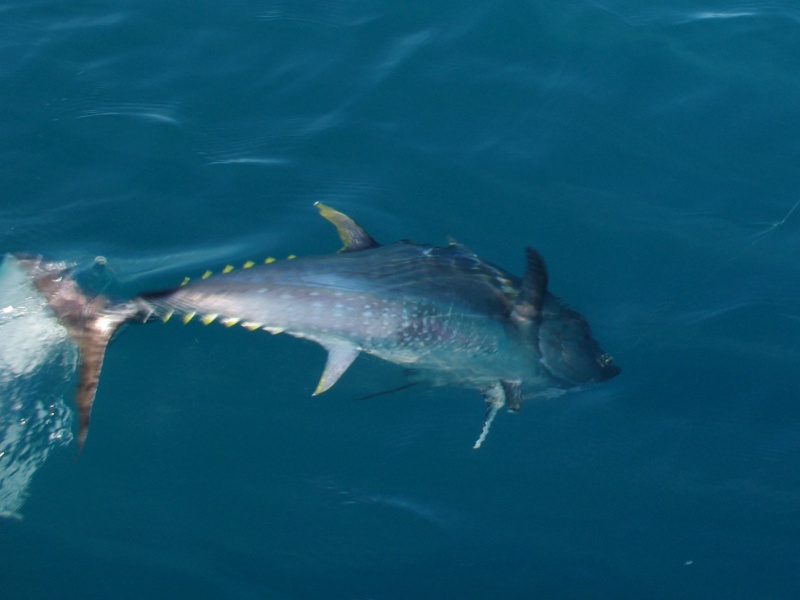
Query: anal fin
(340, 357)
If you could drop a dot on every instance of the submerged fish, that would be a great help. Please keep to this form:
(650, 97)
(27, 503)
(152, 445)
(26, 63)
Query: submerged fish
(450, 316)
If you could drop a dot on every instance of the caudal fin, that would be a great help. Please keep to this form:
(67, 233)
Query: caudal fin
(89, 320)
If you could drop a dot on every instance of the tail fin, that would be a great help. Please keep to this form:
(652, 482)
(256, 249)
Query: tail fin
(90, 322)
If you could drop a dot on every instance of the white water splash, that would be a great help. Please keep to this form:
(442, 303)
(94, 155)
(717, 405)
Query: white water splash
(36, 358)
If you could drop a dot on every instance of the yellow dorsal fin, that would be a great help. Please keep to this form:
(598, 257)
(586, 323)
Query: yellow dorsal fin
(351, 233)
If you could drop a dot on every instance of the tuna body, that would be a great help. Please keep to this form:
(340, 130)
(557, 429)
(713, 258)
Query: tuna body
(439, 310)
(450, 316)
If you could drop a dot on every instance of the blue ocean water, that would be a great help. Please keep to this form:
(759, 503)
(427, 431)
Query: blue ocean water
(648, 150)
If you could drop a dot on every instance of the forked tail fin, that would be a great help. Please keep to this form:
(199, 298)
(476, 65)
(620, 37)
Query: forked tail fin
(90, 322)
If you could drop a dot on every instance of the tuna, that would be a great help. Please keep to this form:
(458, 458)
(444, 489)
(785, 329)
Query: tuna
(442, 312)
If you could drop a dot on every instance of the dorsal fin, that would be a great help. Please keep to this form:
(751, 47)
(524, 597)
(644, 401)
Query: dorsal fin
(528, 307)
(352, 234)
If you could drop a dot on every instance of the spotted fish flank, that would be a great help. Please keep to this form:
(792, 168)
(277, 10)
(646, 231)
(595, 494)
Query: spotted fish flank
(442, 311)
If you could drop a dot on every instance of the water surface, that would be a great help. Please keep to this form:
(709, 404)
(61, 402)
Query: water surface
(648, 150)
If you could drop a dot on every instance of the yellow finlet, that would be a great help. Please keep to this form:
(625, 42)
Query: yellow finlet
(207, 274)
(228, 268)
(248, 264)
(185, 281)
(167, 315)
(188, 317)
(273, 330)
(208, 319)
(252, 326)
(229, 321)
(269, 260)
(291, 256)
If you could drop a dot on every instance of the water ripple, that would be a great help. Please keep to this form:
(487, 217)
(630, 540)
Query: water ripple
(156, 113)
(636, 15)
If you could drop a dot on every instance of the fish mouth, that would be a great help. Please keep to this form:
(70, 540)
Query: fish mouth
(608, 372)
(572, 370)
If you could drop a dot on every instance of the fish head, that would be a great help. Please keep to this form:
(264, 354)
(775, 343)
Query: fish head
(568, 350)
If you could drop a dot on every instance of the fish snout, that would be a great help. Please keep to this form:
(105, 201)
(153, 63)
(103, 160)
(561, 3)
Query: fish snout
(607, 370)
(570, 353)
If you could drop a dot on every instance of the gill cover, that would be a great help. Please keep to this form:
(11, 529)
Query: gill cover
(568, 350)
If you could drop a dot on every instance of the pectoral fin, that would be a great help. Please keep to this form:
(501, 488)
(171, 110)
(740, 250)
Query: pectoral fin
(512, 392)
(340, 357)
